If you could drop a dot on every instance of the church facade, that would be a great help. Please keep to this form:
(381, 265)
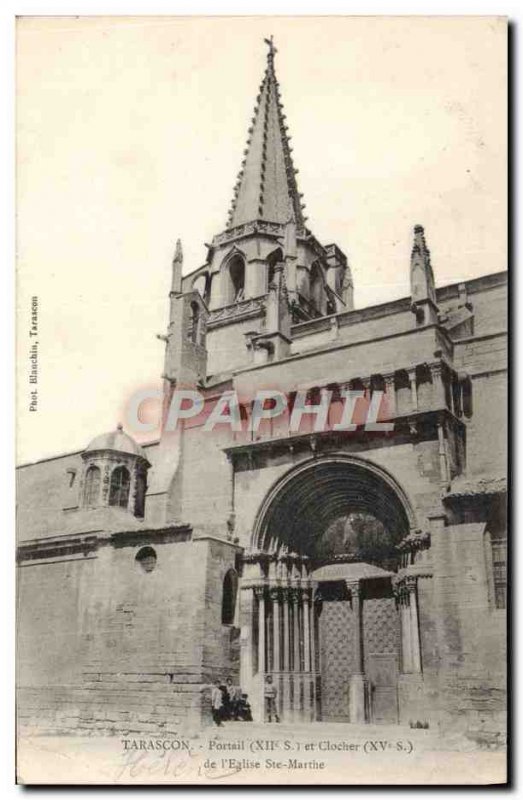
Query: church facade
(361, 565)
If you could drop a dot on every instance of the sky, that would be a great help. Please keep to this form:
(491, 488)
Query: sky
(130, 133)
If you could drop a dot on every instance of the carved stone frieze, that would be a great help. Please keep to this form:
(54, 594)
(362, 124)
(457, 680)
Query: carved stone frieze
(221, 316)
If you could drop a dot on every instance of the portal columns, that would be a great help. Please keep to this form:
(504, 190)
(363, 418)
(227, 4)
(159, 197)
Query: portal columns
(278, 592)
(412, 589)
(260, 595)
(407, 594)
(276, 630)
(358, 683)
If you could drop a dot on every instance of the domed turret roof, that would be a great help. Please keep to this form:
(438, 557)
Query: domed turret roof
(118, 441)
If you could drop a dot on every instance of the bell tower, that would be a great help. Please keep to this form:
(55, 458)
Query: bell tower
(266, 226)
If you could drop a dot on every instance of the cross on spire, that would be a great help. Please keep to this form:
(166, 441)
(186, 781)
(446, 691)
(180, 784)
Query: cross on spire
(272, 49)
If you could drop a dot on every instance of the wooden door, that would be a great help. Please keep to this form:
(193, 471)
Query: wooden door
(336, 656)
(381, 634)
(382, 674)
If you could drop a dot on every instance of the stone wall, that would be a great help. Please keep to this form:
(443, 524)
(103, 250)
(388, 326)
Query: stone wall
(221, 644)
(463, 634)
(226, 345)
(110, 647)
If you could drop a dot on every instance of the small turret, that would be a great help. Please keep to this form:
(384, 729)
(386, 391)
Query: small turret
(177, 266)
(422, 286)
(114, 473)
(185, 351)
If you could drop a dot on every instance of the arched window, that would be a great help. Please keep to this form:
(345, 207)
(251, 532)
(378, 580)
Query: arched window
(139, 496)
(92, 486)
(230, 588)
(119, 488)
(194, 326)
(237, 279)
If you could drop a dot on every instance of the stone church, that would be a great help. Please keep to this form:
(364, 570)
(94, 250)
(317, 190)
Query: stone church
(364, 569)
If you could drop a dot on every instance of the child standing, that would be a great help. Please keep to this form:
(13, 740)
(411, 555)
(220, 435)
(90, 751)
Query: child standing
(271, 694)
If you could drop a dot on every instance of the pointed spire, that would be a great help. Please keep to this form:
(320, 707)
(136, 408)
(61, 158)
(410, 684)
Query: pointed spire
(176, 282)
(421, 274)
(419, 246)
(266, 187)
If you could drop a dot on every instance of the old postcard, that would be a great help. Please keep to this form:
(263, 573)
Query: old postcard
(262, 454)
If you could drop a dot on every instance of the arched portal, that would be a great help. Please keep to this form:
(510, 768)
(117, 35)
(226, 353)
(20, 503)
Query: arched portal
(327, 620)
(303, 506)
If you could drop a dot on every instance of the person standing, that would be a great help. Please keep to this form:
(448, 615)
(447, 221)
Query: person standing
(271, 693)
(234, 694)
(217, 703)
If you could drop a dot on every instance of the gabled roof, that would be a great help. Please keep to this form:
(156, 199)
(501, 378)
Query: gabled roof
(266, 188)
